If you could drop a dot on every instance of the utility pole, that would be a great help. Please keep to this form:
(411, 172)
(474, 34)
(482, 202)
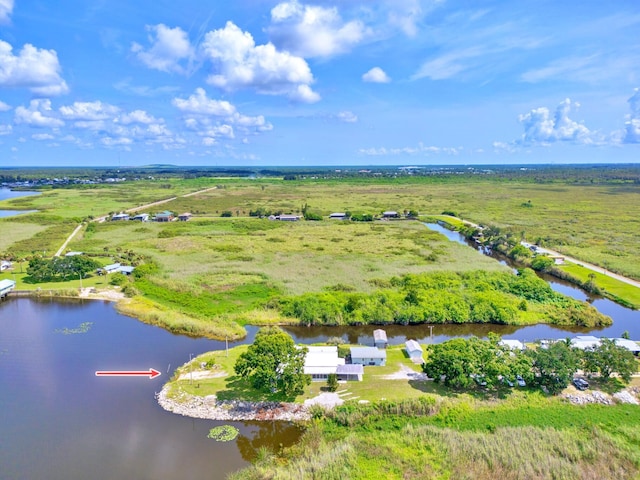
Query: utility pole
(191, 368)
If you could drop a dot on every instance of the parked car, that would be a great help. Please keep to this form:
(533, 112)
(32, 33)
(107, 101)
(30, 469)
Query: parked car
(506, 381)
(520, 380)
(580, 383)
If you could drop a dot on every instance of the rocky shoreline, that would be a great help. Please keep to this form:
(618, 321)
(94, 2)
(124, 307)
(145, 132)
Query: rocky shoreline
(211, 408)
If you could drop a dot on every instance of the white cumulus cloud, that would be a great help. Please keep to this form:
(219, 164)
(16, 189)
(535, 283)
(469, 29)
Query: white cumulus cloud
(169, 47)
(541, 127)
(88, 111)
(33, 68)
(239, 63)
(6, 130)
(6, 8)
(313, 31)
(38, 114)
(4, 107)
(376, 75)
(199, 103)
(632, 123)
(42, 136)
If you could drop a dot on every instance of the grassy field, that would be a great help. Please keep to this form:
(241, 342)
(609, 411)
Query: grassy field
(612, 286)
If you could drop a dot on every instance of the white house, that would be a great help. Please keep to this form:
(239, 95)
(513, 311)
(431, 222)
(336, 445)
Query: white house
(320, 362)
(414, 350)
(368, 356)
(6, 286)
(113, 268)
(512, 344)
(585, 341)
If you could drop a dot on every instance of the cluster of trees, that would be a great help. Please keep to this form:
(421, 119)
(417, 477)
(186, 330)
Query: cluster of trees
(60, 268)
(461, 362)
(274, 364)
(444, 297)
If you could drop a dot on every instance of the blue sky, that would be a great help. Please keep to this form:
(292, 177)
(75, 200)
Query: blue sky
(342, 82)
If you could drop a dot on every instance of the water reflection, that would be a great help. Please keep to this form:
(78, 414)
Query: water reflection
(272, 436)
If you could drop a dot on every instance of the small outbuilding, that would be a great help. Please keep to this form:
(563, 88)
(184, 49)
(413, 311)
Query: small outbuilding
(390, 214)
(368, 356)
(183, 217)
(414, 350)
(4, 265)
(141, 217)
(338, 216)
(380, 338)
(288, 218)
(126, 269)
(119, 216)
(73, 254)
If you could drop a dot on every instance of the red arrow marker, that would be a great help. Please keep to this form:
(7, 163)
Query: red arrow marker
(151, 373)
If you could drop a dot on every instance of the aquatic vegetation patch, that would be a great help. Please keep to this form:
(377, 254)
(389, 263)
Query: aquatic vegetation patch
(223, 433)
(84, 327)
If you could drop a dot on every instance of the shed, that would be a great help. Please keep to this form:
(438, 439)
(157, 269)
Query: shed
(390, 214)
(338, 216)
(183, 217)
(368, 356)
(72, 254)
(380, 338)
(141, 217)
(414, 350)
(119, 216)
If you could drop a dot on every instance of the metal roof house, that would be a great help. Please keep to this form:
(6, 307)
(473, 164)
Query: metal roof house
(119, 216)
(585, 341)
(6, 286)
(628, 344)
(288, 218)
(338, 216)
(165, 216)
(320, 362)
(414, 350)
(141, 217)
(380, 338)
(368, 356)
(390, 214)
(113, 268)
(512, 344)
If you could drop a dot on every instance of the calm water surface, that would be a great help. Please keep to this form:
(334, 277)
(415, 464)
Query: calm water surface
(60, 421)
(6, 194)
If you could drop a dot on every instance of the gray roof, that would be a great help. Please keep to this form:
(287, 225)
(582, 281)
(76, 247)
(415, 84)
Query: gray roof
(380, 335)
(7, 284)
(368, 352)
(413, 346)
(350, 369)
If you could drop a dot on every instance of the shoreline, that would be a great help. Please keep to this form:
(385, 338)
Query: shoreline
(231, 410)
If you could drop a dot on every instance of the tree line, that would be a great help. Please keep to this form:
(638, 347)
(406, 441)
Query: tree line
(444, 297)
(461, 362)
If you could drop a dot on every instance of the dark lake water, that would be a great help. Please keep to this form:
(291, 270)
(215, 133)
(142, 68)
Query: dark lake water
(60, 421)
(6, 194)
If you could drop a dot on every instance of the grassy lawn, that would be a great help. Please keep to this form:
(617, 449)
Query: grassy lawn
(611, 285)
(23, 283)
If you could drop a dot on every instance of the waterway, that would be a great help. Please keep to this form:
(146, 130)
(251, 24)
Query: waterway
(6, 194)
